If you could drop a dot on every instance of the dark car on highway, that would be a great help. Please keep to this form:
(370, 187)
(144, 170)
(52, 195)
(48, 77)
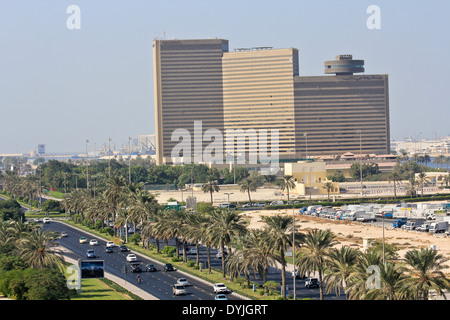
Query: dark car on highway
(168, 267)
(135, 267)
(123, 248)
(109, 250)
(150, 267)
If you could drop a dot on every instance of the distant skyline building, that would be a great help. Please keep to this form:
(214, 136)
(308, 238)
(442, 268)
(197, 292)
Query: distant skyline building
(258, 93)
(331, 110)
(261, 88)
(188, 88)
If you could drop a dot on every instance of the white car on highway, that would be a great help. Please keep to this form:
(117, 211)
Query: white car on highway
(220, 288)
(178, 289)
(131, 257)
(110, 244)
(93, 242)
(183, 282)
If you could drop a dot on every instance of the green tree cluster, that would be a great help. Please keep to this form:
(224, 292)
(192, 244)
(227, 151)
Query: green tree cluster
(11, 210)
(30, 266)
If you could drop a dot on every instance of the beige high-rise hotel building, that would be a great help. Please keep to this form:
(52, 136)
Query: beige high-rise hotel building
(261, 88)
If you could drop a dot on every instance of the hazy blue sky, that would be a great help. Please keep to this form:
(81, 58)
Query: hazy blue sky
(59, 87)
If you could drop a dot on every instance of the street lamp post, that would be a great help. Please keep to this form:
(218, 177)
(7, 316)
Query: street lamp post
(306, 144)
(129, 160)
(87, 165)
(228, 194)
(65, 185)
(360, 160)
(109, 159)
(192, 183)
(382, 220)
(293, 248)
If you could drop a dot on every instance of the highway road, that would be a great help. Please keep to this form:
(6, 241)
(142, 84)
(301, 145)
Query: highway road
(159, 283)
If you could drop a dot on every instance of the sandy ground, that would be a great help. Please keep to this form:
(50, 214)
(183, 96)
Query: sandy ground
(352, 233)
(349, 233)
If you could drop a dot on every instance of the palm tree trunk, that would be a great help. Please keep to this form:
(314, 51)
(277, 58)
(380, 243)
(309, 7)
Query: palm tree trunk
(320, 284)
(395, 191)
(223, 259)
(177, 244)
(283, 273)
(208, 251)
(264, 276)
(198, 257)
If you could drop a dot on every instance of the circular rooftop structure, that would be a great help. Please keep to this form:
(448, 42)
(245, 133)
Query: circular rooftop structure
(344, 65)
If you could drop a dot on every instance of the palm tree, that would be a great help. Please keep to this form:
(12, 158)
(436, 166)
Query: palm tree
(404, 154)
(197, 227)
(287, 183)
(115, 194)
(153, 213)
(328, 186)
(356, 287)
(137, 201)
(446, 180)
(341, 265)
(422, 179)
(316, 248)
(121, 222)
(440, 160)
(426, 159)
(225, 226)
(238, 261)
(172, 226)
(393, 283)
(412, 186)
(279, 238)
(426, 273)
(260, 253)
(37, 248)
(248, 185)
(77, 201)
(395, 177)
(211, 186)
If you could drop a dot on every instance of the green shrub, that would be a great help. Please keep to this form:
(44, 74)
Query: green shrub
(52, 206)
(271, 286)
(98, 225)
(107, 230)
(169, 251)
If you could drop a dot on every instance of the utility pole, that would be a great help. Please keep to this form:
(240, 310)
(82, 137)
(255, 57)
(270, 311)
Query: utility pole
(384, 253)
(109, 159)
(306, 144)
(87, 165)
(40, 189)
(293, 247)
(192, 183)
(360, 160)
(129, 162)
